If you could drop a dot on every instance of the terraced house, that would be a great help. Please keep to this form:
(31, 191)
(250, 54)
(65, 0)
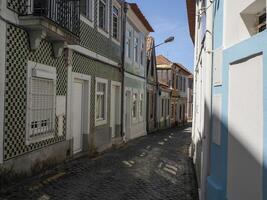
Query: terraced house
(137, 30)
(95, 77)
(60, 73)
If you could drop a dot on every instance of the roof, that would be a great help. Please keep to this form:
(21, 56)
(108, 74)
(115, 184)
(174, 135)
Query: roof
(191, 13)
(141, 17)
(183, 68)
(162, 60)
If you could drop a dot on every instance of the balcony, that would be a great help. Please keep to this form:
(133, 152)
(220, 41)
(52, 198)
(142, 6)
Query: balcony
(57, 21)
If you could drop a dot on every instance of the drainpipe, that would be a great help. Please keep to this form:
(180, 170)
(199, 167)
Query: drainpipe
(207, 99)
(124, 20)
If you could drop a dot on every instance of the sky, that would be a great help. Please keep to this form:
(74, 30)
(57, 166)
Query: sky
(169, 18)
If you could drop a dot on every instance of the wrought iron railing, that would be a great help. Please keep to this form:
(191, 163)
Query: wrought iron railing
(65, 13)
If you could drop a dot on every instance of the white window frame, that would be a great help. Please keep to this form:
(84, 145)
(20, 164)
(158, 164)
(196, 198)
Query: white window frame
(162, 102)
(142, 51)
(136, 49)
(38, 70)
(99, 122)
(129, 43)
(105, 31)
(118, 6)
(135, 92)
(259, 25)
(86, 19)
(141, 117)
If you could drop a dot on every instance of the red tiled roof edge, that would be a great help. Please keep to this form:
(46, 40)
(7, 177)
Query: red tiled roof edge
(191, 13)
(140, 15)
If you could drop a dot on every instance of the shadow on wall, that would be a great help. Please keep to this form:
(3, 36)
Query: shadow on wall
(236, 169)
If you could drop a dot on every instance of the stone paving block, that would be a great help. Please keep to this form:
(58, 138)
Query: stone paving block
(154, 167)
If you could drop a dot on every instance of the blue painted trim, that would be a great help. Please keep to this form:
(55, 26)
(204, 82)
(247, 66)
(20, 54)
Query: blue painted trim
(217, 182)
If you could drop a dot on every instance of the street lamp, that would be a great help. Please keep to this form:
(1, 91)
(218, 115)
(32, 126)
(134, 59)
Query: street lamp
(169, 39)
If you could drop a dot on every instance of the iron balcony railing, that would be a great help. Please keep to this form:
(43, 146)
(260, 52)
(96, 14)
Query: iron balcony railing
(65, 13)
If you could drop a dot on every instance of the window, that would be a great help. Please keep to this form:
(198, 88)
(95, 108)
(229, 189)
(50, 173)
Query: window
(128, 43)
(168, 106)
(177, 82)
(180, 112)
(101, 101)
(262, 22)
(87, 8)
(172, 111)
(116, 23)
(181, 83)
(136, 49)
(184, 84)
(141, 106)
(151, 104)
(41, 98)
(142, 52)
(162, 107)
(103, 15)
(173, 80)
(134, 108)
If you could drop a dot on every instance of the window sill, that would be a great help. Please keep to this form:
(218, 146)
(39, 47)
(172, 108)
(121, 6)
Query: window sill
(116, 41)
(87, 21)
(103, 32)
(100, 122)
(35, 139)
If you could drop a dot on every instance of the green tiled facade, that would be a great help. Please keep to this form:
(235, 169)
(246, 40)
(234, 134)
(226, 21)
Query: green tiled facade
(17, 56)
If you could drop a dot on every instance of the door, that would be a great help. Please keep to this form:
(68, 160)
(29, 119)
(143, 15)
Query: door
(128, 108)
(77, 116)
(115, 109)
(245, 130)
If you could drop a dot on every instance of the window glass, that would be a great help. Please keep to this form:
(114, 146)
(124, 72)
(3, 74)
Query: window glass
(136, 49)
(115, 22)
(141, 105)
(103, 14)
(128, 43)
(134, 108)
(42, 106)
(100, 101)
(87, 8)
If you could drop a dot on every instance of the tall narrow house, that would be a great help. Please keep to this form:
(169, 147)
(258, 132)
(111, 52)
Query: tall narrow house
(34, 73)
(137, 30)
(94, 94)
(152, 86)
(60, 80)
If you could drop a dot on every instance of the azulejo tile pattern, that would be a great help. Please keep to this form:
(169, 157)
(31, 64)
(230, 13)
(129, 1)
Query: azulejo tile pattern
(96, 42)
(17, 56)
(84, 65)
(19, 6)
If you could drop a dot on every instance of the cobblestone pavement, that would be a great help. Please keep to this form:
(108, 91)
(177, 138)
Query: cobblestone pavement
(149, 168)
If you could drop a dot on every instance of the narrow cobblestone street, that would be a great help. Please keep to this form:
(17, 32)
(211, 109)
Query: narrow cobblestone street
(152, 167)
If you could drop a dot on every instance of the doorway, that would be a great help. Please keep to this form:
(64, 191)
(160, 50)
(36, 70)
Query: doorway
(77, 114)
(128, 108)
(80, 111)
(115, 108)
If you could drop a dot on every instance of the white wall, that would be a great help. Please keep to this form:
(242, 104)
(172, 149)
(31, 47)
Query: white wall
(240, 16)
(245, 136)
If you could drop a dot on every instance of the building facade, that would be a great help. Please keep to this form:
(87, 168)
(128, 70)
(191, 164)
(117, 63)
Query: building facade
(173, 77)
(137, 30)
(34, 83)
(164, 71)
(182, 84)
(152, 86)
(95, 77)
(61, 80)
(229, 134)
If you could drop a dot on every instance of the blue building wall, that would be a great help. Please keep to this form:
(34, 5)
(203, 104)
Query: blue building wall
(217, 181)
